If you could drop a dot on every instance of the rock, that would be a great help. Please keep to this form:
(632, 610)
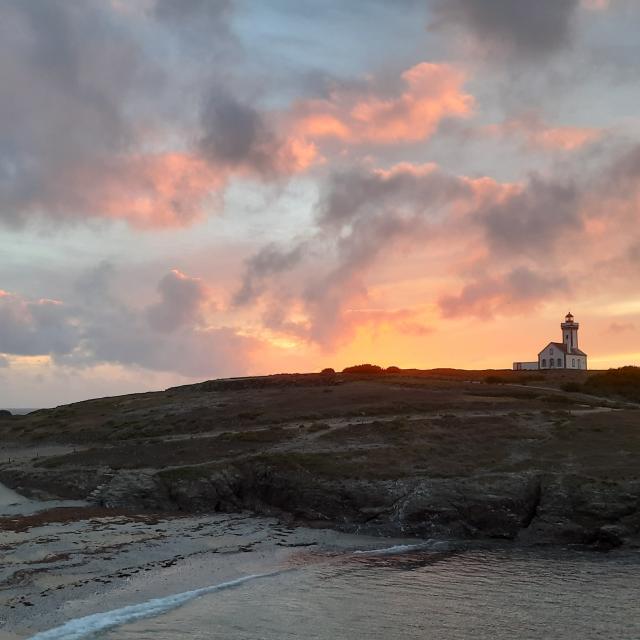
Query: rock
(133, 489)
(579, 510)
(528, 507)
(5, 413)
(45, 484)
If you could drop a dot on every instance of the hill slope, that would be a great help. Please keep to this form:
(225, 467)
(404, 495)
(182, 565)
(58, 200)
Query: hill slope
(435, 454)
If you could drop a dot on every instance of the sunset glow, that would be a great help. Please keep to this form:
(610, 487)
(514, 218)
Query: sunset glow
(206, 189)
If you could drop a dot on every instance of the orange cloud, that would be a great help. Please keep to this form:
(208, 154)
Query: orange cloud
(433, 92)
(538, 134)
(565, 138)
(163, 190)
(166, 189)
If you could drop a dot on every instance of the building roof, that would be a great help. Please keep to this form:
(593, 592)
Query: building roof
(562, 347)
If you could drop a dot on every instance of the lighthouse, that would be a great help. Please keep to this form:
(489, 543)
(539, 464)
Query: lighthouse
(570, 331)
(565, 354)
(560, 355)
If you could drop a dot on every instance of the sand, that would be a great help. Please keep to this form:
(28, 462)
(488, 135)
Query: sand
(63, 563)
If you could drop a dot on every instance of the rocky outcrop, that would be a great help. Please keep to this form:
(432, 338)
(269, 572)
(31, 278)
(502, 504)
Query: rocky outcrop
(575, 509)
(527, 507)
(45, 484)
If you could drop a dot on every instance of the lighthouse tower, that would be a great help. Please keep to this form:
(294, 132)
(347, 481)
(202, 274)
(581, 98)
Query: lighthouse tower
(570, 332)
(560, 355)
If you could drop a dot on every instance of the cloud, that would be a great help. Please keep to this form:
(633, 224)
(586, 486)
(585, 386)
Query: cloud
(94, 124)
(314, 289)
(595, 5)
(236, 135)
(528, 30)
(537, 134)
(35, 327)
(513, 292)
(268, 261)
(621, 327)
(209, 16)
(533, 220)
(181, 298)
(66, 70)
(97, 327)
(432, 92)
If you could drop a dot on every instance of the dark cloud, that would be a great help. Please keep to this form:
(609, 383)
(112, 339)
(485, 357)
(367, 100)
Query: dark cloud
(98, 327)
(633, 253)
(236, 134)
(513, 292)
(267, 262)
(66, 69)
(360, 216)
(623, 174)
(357, 193)
(207, 14)
(181, 298)
(91, 91)
(93, 286)
(534, 220)
(203, 27)
(527, 29)
(37, 327)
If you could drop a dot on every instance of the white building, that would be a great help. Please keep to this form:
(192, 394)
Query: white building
(560, 355)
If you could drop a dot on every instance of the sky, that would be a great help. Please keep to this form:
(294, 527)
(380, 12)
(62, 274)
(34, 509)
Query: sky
(192, 189)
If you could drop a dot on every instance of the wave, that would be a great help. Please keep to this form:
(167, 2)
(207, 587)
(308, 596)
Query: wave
(430, 545)
(87, 626)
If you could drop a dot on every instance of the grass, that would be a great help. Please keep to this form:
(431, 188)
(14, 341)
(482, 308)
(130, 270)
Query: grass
(623, 382)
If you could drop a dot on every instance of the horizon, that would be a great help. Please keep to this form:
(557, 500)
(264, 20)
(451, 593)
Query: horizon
(518, 374)
(213, 189)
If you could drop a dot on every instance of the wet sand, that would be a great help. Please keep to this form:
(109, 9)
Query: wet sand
(64, 563)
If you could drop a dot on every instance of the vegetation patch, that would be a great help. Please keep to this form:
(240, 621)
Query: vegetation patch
(623, 382)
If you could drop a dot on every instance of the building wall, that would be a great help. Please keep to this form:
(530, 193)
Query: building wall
(566, 337)
(522, 366)
(567, 361)
(576, 362)
(551, 353)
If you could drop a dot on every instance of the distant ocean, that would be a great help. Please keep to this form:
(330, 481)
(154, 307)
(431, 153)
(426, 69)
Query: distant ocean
(18, 412)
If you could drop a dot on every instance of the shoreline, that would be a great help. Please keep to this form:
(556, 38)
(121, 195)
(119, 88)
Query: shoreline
(53, 570)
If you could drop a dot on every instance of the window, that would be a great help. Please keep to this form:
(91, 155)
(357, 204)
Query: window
(573, 362)
(551, 362)
(559, 362)
(550, 352)
(579, 364)
(544, 362)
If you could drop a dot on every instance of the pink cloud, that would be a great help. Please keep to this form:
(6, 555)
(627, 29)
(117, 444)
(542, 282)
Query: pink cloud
(432, 93)
(537, 133)
(596, 5)
(156, 190)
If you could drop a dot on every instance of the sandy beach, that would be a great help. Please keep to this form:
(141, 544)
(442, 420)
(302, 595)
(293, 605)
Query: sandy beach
(67, 562)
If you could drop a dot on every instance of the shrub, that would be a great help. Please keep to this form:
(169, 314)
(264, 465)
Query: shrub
(393, 369)
(572, 387)
(495, 380)
(624, 382)
(363, 368)
(328, 371)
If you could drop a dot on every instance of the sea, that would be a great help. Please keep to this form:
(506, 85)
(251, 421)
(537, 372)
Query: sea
(397, 593)
(20, 411)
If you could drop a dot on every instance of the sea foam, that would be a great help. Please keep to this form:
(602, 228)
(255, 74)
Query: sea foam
(431, 545)
(80, 628)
